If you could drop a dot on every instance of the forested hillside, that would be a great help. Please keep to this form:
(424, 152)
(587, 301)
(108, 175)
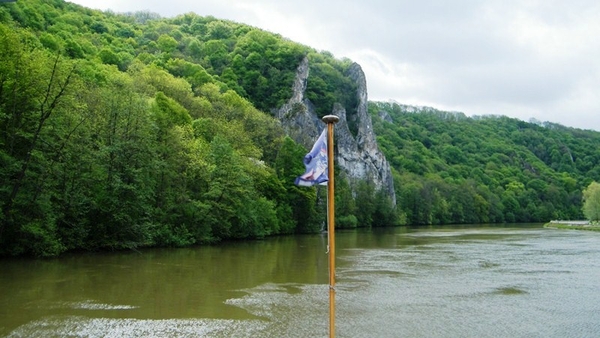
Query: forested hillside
(131, 130)
(121, 131)
(449, 168)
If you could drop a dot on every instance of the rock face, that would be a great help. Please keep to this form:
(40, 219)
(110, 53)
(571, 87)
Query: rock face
(359, 156)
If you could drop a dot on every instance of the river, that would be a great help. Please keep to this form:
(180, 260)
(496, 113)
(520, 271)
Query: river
(470, 281)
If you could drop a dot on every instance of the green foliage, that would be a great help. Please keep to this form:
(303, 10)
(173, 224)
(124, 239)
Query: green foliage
(156, 151)
(109, 57)
(166, 43)
(449, 168)
(73, 49)
(302, 201)
(591, 202)
(347, 221)
(37, 112)
(169, 113)
(329, 83)
(121, 131)
(50, 42)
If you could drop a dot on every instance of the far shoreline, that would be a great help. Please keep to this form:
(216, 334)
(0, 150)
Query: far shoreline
(577, 225)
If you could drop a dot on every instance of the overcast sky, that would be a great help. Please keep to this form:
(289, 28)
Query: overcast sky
(520, 58)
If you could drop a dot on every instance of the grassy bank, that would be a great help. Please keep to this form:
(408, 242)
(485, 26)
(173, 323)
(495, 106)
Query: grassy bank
(589, 227)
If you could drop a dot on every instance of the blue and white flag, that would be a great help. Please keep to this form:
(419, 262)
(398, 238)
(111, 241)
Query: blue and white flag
(316, 164)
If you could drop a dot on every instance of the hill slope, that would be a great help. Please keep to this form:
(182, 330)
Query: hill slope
(130, 130)
(450, 168)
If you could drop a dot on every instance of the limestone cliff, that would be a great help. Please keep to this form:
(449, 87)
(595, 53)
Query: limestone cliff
(358, 155)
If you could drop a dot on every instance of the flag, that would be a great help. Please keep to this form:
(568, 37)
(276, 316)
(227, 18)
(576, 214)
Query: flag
(316, 164)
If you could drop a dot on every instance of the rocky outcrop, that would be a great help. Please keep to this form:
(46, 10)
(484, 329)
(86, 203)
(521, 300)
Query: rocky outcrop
(358, 155)
(385, 116)
(298, 116)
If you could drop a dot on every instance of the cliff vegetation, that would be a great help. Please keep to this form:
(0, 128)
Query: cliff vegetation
(122, 131)
(128, 130)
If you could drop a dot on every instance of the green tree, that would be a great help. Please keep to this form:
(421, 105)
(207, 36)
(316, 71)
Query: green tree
(365, 195)
(35, 102)
(166, 43)
(122, 170)
(302, 200)
(109, 57)
(345, 206)
(591, 202)
(229, 193)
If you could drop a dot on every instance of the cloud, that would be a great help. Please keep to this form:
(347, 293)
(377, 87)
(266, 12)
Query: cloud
(520, 58)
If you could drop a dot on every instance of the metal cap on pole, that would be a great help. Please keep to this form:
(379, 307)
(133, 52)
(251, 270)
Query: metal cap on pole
(331, 120)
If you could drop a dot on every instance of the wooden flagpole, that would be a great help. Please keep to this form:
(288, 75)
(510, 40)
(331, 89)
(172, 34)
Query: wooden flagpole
(331, 120)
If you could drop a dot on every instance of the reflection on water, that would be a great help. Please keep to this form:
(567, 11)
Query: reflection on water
(432, 282)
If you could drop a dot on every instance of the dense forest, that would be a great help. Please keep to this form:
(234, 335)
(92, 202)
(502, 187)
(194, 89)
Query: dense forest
(450, 168)
(130, 130)
(121, 131)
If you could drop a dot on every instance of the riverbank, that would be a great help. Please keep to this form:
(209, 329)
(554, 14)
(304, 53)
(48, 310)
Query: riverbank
(577, 225)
